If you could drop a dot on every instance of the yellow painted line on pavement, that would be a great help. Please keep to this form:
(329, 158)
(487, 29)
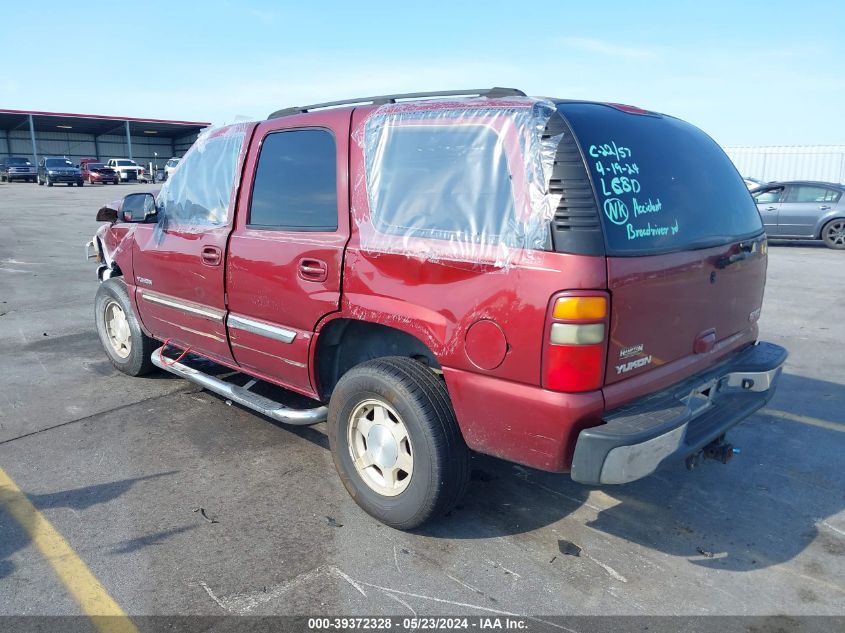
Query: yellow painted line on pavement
(804, 419)
(105, 614)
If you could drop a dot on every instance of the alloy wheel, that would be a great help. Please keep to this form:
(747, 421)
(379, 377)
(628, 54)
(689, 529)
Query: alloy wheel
(380, 447)
(117, 329)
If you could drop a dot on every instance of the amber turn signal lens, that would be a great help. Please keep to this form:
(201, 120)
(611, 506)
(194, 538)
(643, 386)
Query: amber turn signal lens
(580, 308)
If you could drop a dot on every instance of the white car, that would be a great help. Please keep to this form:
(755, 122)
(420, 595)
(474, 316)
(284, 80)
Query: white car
(127, 169)
(170, 167)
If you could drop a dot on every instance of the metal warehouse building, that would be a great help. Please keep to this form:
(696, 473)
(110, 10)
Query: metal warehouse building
(76, 136)
(791, 162)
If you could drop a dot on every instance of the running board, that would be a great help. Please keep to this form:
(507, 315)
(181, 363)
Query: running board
(241, 395)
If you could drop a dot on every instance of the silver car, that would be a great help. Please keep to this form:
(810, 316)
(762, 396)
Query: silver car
(803, 210)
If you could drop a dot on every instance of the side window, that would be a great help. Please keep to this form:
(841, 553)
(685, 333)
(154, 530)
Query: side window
(811, 193)
(769, 196)
(295, 184)
(446, 182)
(199, 193)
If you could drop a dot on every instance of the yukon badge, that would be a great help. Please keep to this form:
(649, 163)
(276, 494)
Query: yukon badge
(145, 281)
(634, 364)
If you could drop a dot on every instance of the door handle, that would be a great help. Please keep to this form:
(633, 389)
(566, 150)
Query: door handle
(211, 255)
(313, 269)
(770, 209)
(824, 207)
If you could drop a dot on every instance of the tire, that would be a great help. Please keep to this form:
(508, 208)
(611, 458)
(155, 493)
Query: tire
(80, 183)
(833, 234)
(411, 398)
(132, 355)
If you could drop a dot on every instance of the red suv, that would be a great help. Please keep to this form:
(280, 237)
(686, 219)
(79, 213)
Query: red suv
(569, 285)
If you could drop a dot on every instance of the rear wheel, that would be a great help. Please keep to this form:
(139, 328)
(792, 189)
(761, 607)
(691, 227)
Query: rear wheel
(833, 234)
(126, 345)
(396, 443)
(79, 183)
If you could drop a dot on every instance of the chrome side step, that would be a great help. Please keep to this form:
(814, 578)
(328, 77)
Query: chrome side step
(242, 395)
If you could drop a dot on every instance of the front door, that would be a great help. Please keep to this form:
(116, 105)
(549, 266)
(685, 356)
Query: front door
(179, 262)
(768, 204)
(286, 251)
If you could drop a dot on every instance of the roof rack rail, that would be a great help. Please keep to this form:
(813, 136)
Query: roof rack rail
(490, 93)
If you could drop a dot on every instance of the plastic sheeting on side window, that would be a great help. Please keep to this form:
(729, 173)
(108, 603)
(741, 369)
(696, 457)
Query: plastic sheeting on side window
(457, 180)
(199, 195)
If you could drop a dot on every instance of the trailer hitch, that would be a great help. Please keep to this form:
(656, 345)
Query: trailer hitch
(718, 450)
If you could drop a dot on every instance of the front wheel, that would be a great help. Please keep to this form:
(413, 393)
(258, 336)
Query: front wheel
(396, 443)
(126, 345)
(833, 234)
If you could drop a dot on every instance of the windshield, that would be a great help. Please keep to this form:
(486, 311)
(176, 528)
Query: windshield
(125, 163)
(14, 160)
(95, 165)
(58, 162)
(662, 184)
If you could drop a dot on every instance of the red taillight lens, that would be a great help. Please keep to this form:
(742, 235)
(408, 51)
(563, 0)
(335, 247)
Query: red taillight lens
(576, 342)
(574, 367)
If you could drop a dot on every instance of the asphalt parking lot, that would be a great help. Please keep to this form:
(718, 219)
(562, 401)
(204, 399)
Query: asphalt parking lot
(119, 465)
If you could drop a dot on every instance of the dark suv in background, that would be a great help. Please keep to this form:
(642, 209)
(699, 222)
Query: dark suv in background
(54, 169)
(17, 168)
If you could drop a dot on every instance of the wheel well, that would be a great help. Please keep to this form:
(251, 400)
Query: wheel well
(825, 223)
(344, 343)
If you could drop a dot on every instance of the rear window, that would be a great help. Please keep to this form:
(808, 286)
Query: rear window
(662, 184)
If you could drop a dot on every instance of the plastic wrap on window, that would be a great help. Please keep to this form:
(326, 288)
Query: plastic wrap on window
(200, 194)
(457, 180)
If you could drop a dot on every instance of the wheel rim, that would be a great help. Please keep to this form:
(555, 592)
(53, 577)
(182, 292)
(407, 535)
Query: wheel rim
(380, 447)
(117, 329)
(836, 233)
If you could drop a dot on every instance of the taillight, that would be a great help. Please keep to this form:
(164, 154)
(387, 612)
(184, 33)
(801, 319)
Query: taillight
(576, 342)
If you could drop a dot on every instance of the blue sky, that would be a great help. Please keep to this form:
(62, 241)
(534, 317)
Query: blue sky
(749, 73)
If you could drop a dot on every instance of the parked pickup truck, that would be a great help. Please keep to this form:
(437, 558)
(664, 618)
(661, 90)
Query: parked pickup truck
(125, 168)
(17, 168)
(569, 285)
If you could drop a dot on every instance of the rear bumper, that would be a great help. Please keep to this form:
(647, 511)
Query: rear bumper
(637, 437)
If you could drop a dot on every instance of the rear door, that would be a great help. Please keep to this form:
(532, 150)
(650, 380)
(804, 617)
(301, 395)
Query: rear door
(802, 207)
(768, 204)
(686, 257)
(286, 252)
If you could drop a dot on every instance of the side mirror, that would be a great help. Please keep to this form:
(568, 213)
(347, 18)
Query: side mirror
(138, 207)
(107, 214)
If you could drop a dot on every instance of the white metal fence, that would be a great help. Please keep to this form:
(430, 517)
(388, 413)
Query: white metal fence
(793, 162)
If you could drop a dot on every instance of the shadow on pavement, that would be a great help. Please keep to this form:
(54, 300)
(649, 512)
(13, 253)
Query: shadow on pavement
(760, 510)
(13, 537)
